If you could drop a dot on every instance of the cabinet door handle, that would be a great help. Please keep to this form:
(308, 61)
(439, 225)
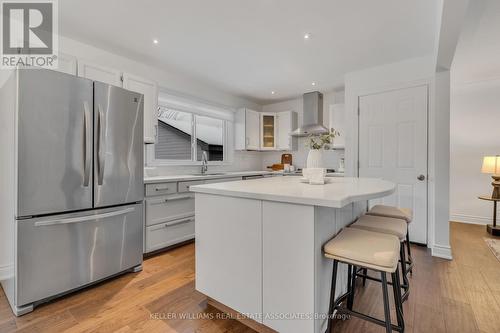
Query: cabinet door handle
(169, 224)
(182, 197)
(84, 218)
(158, 189)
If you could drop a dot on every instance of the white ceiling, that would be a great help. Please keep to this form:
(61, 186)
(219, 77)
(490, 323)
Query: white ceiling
(478, 51)
(250, 48)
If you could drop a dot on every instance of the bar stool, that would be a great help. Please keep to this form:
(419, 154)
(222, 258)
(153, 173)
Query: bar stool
(371, 250)
(386, 225)
(405, 214)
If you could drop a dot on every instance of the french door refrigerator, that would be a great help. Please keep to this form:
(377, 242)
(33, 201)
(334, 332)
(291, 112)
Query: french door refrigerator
(78, 184)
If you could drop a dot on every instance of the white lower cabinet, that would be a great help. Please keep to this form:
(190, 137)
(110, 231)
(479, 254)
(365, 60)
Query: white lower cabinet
(170, 233)
(169, 212)
(168, 208)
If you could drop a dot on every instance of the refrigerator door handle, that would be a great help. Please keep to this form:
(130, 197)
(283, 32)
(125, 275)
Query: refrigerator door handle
(101, 128)
(87, 145)
(84, 218)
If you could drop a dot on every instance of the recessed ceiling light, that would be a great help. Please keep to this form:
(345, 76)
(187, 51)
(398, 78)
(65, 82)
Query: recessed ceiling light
(314, 83)
(273, 92)
(307, 35)
(155, 41)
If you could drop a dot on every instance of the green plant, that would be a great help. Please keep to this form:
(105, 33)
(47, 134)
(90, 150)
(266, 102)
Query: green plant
(322, 141)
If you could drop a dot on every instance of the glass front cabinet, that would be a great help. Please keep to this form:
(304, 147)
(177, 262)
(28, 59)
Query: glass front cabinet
(268, 131)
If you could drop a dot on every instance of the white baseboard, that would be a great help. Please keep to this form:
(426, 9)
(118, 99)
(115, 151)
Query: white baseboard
(5, 272)
(470, 219)
(441, 251)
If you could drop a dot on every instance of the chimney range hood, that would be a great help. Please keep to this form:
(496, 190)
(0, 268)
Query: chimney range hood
(312, 116)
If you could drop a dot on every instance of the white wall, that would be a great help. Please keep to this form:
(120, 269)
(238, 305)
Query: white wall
(475, 111)
(331, 158)
(398, 75)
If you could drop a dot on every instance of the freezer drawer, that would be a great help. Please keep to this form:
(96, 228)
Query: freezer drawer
(170, 233)
(167, 208)
(59, 253)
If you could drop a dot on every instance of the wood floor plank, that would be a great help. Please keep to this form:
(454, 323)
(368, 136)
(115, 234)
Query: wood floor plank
(458, 317)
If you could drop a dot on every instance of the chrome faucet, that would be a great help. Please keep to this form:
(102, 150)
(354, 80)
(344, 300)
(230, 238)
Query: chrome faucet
(204, 162)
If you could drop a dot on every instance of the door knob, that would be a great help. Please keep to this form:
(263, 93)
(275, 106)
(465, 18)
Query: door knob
(421, 177)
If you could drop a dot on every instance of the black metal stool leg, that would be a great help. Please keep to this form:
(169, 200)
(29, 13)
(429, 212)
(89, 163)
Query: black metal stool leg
(365, 272)
(396, 288)
(410, 258)
(332, 295)
(387, 310)
(406, 283)
(349, 277)
(350, 299)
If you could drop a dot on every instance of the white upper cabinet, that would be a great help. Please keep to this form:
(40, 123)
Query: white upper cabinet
(66, 64)
(269, 131)
(265, 130)
(286, 122)
(150, 91)
(99, 73)
(247, 130)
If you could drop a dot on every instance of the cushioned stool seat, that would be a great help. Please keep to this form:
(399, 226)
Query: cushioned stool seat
(360, 250)
(386, 225)
(364, 248)
(393, 212)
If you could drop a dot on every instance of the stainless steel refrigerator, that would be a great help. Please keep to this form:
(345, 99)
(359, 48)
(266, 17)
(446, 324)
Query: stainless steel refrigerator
(77, 183)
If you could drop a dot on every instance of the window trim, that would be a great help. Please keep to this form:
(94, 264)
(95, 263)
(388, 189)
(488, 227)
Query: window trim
(152, 161)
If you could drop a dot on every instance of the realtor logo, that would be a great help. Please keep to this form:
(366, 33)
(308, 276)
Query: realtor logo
(29, 33)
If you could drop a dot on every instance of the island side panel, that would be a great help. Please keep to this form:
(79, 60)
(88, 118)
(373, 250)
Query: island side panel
(288, 266)
(229, 251)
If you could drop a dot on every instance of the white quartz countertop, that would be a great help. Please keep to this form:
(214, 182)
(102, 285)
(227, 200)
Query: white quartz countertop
(177, 178)
(337, 193)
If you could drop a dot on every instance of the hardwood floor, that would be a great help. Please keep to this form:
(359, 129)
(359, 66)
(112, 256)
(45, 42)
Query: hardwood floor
(456, 296)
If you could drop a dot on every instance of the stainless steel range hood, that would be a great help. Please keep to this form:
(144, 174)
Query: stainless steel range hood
(312, 115)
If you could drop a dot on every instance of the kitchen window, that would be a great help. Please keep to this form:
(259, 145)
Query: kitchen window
(182, 136)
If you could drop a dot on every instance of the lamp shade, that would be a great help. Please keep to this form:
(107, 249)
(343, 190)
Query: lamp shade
(491, 164)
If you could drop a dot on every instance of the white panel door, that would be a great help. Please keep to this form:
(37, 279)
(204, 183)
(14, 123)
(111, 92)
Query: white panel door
(150, 91)
(393, 146)
(99, 73)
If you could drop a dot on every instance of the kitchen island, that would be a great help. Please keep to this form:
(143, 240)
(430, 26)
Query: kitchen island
(259, 246)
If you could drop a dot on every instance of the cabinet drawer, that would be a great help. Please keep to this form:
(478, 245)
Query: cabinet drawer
(170, 233)
(222, 180)
(160, 189)
(184, 186)
(168, 208)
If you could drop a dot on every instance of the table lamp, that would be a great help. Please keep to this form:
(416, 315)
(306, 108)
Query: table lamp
(491, 165)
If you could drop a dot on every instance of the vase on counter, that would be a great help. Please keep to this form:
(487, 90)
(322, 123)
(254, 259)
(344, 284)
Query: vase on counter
(315, 158)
